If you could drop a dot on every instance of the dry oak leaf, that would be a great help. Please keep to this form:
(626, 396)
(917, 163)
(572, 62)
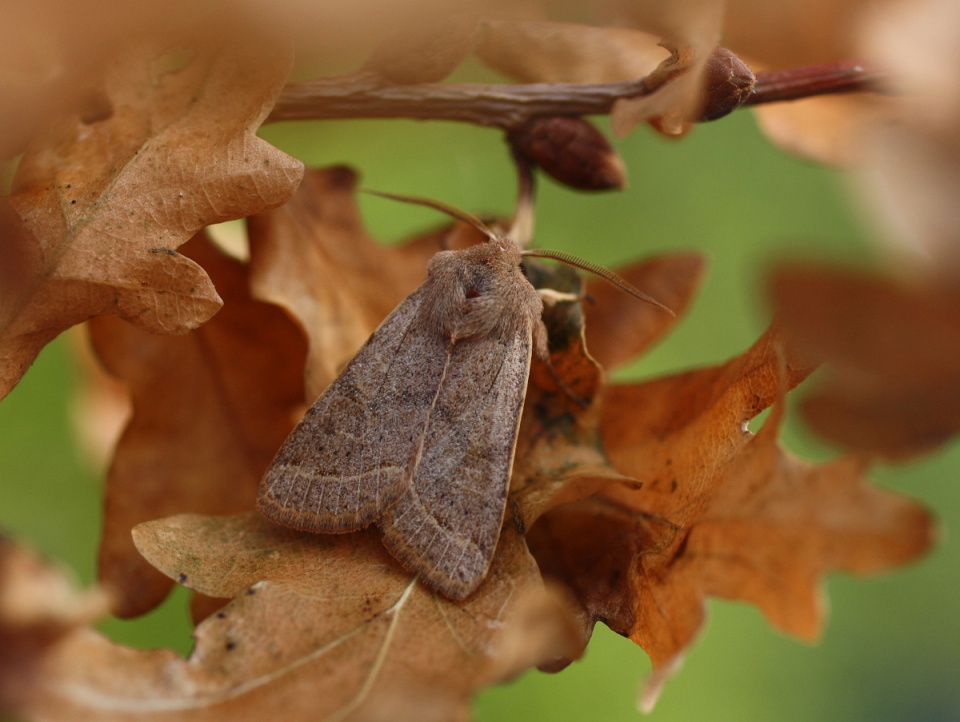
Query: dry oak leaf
(721, 512)
(103, 204)
(789, 34)
(209, 411)
(321, 627)
(891, 386)
(38, 607)
(314, 258)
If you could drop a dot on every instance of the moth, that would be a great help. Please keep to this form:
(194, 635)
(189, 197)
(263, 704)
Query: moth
(417, 433)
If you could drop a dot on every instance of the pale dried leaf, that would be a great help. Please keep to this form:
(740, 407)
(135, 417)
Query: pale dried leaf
(828, 129)
(542, 51)
(791, 33)
(690, 30)
(322, 627)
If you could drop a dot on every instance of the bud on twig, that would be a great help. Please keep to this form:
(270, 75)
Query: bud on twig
(728, 83)
(572, 151)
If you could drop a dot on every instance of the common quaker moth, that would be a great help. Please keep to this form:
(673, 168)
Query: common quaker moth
(418, 431)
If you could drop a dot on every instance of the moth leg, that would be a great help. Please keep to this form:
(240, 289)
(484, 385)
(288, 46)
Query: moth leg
(551, 297)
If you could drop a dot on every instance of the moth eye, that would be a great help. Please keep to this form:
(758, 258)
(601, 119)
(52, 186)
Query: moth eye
(473, 292)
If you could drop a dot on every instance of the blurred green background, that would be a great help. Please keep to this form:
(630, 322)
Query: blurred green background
(891, 648)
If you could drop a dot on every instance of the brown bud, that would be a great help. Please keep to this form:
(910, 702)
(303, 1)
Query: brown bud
(427, 53)
(572, 151)
(728, 82)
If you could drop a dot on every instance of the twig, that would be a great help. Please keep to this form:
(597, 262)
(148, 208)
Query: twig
(366, 95)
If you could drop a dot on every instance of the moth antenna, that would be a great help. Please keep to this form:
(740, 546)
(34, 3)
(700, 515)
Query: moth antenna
(451, 211)
(604, 273)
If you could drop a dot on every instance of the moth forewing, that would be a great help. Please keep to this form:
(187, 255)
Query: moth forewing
(446, 526)
(347, 459)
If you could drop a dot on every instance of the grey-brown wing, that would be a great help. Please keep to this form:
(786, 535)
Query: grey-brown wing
(446, 525)
(348, 458)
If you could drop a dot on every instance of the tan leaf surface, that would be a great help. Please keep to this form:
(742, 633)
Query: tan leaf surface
(892, 387)
(788, 34)
(544, 51)
(210, 410)
(102, 203)
(720, 512)
(827, 129)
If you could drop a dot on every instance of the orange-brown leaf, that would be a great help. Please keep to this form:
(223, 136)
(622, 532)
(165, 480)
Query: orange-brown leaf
(321, 627)
(719, 512)
(104, 203)
(210, 410)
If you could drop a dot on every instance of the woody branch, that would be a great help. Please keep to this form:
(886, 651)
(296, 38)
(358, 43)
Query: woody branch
(366, 95)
